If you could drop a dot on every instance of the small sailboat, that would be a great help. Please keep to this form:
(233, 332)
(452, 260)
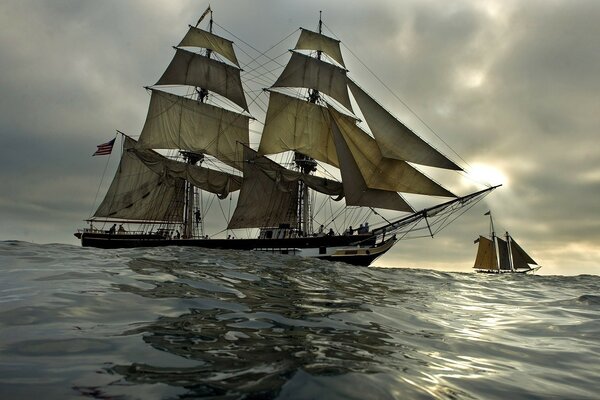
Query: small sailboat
(497, 255)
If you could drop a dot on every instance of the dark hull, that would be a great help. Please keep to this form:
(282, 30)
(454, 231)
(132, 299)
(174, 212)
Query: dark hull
(356, 249)
(495, 271)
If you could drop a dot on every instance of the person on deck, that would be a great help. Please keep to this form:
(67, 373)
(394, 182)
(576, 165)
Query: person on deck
(121, 229)
(113, 229)
(331, 232)
(198, 217)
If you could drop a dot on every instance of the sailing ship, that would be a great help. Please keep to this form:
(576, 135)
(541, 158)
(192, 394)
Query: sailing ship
(194, 150)
(496, 255)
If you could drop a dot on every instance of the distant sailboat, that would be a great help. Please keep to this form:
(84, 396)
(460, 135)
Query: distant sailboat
(502, 255)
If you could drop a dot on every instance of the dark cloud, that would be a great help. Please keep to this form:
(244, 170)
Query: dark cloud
(508, 84)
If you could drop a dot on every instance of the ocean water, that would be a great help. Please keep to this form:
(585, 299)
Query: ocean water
(174, 323)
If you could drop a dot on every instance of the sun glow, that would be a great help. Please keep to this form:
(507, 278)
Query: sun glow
(487, 174)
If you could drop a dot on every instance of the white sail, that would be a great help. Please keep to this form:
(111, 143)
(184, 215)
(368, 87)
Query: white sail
(196, 37)
(193, 69)
(310, 40)
(394, 139)
(295, 124)
(175, 122)
(307, 72)
(379, 172)
(138, 193)
(355, 189)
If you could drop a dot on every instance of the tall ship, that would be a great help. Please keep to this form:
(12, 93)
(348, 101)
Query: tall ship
(327, 161)
(499, 255)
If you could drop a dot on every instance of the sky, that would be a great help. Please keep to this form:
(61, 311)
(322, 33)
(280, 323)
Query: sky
(510, 86)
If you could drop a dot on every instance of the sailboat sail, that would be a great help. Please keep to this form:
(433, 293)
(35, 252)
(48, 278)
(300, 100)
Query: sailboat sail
(503, 254)
(520, 258)
(486, 255)
(498, 255)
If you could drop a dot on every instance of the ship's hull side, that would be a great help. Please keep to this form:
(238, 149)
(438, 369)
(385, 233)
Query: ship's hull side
(355, 249)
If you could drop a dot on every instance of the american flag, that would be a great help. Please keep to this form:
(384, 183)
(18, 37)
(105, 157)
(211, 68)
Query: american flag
(104, 148)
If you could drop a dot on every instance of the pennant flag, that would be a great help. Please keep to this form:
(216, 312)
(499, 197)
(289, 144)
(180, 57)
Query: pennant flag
(203, 15)
(104, 148)
(476, 241)
(487, 213)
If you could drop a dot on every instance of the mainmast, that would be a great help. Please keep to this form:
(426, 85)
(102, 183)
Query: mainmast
(494, 240)
(306, 165)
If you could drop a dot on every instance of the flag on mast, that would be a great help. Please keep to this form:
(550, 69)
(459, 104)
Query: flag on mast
(487, 213)
(203, 15)
(104, 148)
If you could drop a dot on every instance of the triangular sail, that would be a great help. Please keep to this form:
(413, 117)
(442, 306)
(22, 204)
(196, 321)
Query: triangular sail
(196, 37)
(520, 258)
(174, 122)
(193, 69)
(379, 172)
(394, 139)
(138, 193)
(486, 255)
(310, 40)
(310, 73)
(356, 190)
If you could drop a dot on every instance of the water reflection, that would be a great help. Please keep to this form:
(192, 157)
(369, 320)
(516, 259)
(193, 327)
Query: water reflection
(254, 329)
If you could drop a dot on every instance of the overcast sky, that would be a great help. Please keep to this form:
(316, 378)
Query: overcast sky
(512, 86)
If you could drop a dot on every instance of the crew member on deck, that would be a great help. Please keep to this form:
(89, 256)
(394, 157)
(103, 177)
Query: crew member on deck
(113, 229)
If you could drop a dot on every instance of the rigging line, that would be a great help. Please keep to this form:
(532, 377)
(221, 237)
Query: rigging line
(102, 178)
(400, 100)
(260, 54)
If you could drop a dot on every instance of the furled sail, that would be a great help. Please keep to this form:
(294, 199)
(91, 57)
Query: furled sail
(310, 40)
(173, 122)
(310, 73)
(263, 201)
(378, 171)
(295, 124)
(138, 193)
(394, 139)
(193, 69)
(486, 254)
(210, 180)
(520, 258)
(355, 189)
(196, 37)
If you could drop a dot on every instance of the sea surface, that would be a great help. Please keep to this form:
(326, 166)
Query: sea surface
(183, 323)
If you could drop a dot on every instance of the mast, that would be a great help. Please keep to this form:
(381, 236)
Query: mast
(494, 241)
(510, 257)
(195, 158)
(306, 165)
